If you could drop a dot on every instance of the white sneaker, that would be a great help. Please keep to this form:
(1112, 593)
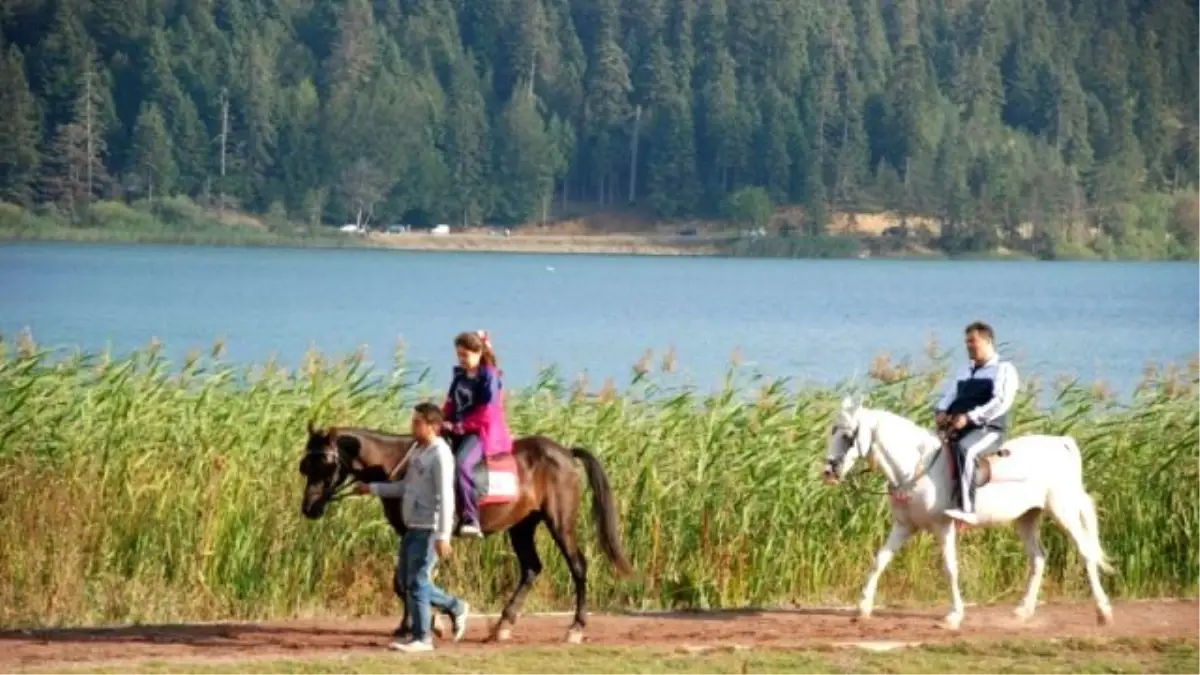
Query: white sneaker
(963, 516)
(469, 530)
(460, 622)
(412, 646)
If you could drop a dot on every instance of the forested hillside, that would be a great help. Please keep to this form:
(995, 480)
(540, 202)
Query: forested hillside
(1043, 125)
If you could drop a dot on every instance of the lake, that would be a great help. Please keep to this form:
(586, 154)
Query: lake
(815, 321)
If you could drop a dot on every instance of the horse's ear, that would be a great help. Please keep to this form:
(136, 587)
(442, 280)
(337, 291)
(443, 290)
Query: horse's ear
(852, 403)
(312, 430)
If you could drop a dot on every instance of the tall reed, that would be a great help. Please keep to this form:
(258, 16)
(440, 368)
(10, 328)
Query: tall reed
(131, 490)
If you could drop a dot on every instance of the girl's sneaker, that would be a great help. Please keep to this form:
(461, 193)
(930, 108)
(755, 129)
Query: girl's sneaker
(460, 622)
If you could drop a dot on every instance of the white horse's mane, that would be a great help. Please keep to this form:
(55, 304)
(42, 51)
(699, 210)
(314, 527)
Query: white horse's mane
(890, 418)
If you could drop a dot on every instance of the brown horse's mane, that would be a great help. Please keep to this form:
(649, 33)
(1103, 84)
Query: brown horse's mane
(375, 435)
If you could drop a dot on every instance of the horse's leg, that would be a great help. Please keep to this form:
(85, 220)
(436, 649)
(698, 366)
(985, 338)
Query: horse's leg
(1027, 528)
(1069, 513)
(521, 536)
(899, 534)
(562, 529)
(947, 538)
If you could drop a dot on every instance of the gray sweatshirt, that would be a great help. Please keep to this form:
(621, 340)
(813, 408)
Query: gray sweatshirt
(427, 491)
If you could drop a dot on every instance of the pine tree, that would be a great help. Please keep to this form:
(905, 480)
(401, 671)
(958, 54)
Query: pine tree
(75, 171)
(153, 166)
(62, 57)
(524, 160)
(466, 144)
(20, 130)
(191, 151)
(606, 107)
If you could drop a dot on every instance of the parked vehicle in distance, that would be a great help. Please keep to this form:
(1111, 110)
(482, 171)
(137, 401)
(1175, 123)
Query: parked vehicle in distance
(351, 228)
(441, 229)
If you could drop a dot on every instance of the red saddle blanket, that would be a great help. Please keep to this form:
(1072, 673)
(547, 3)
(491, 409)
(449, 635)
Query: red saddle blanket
(496, 480)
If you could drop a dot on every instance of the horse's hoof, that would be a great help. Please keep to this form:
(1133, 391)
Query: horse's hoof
(1104, 616)
(574, 637)
(1023, 613)
(952, 622)
(502, 634)
(439, 626)
(861, 617)
(402, 631)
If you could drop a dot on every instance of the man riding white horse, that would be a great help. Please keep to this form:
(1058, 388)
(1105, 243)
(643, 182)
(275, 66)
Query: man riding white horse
(1039, 473)
(974, 409)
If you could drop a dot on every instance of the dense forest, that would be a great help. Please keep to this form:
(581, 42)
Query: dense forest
(1044, 125)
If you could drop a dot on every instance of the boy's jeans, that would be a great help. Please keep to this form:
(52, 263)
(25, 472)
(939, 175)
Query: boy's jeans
(417, 559)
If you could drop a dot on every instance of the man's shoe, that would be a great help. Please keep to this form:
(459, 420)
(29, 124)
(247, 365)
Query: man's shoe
(412, 646)
(963, 516)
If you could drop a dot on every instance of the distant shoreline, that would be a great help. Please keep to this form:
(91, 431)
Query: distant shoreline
(602, 244)
(698, 246)
(599, 244)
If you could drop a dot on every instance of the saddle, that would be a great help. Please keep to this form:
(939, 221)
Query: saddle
(983, 463)
(496, 478)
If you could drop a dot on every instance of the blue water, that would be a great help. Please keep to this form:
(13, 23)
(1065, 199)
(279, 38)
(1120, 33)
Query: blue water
(814, 321)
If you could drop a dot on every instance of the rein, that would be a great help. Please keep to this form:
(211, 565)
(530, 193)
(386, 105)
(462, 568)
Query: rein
(345, 486)
(898, 493)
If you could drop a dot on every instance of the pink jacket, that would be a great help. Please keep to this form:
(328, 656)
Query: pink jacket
(476, 404)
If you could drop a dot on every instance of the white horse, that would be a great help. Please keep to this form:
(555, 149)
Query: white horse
(1036, 472)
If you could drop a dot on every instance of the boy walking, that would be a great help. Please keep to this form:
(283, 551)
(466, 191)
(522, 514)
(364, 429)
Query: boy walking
(427, 494)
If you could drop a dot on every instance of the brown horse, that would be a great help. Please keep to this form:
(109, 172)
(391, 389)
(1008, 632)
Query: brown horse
(549, 493)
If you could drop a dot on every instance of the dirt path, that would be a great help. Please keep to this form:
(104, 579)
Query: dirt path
(776, 628)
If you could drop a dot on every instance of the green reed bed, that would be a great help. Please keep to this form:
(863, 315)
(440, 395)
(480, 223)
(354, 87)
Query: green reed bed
(134, 490)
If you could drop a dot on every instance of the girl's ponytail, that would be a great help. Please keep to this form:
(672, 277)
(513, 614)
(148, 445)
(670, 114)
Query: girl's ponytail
(489, 354)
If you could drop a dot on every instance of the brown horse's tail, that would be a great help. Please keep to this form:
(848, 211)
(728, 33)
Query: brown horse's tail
(604, 511)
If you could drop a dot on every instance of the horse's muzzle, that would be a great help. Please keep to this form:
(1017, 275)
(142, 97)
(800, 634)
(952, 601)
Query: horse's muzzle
(829, 476)
(314, 508)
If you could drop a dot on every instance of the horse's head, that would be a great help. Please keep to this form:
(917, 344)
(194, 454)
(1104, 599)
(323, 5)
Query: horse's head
(849, 441)
(326, 467)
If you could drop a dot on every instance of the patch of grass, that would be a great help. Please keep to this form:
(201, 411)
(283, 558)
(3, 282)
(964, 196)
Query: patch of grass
(1074, 656)
(174, 220)
(140, 491)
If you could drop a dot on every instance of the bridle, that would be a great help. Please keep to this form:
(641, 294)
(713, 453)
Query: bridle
(898, 493)
(343, 478)
(854, 480)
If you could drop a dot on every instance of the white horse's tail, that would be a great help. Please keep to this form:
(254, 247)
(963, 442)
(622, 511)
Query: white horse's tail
(1087, 515)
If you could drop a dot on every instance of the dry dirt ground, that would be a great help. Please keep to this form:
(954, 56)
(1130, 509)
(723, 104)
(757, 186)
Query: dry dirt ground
(777, 629)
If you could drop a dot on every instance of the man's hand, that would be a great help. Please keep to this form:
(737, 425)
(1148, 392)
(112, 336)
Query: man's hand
(361, 488)
(442, 547)
(959, 421)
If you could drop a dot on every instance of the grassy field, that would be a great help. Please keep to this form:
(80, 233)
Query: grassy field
(139, 491)
(1069, 656)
